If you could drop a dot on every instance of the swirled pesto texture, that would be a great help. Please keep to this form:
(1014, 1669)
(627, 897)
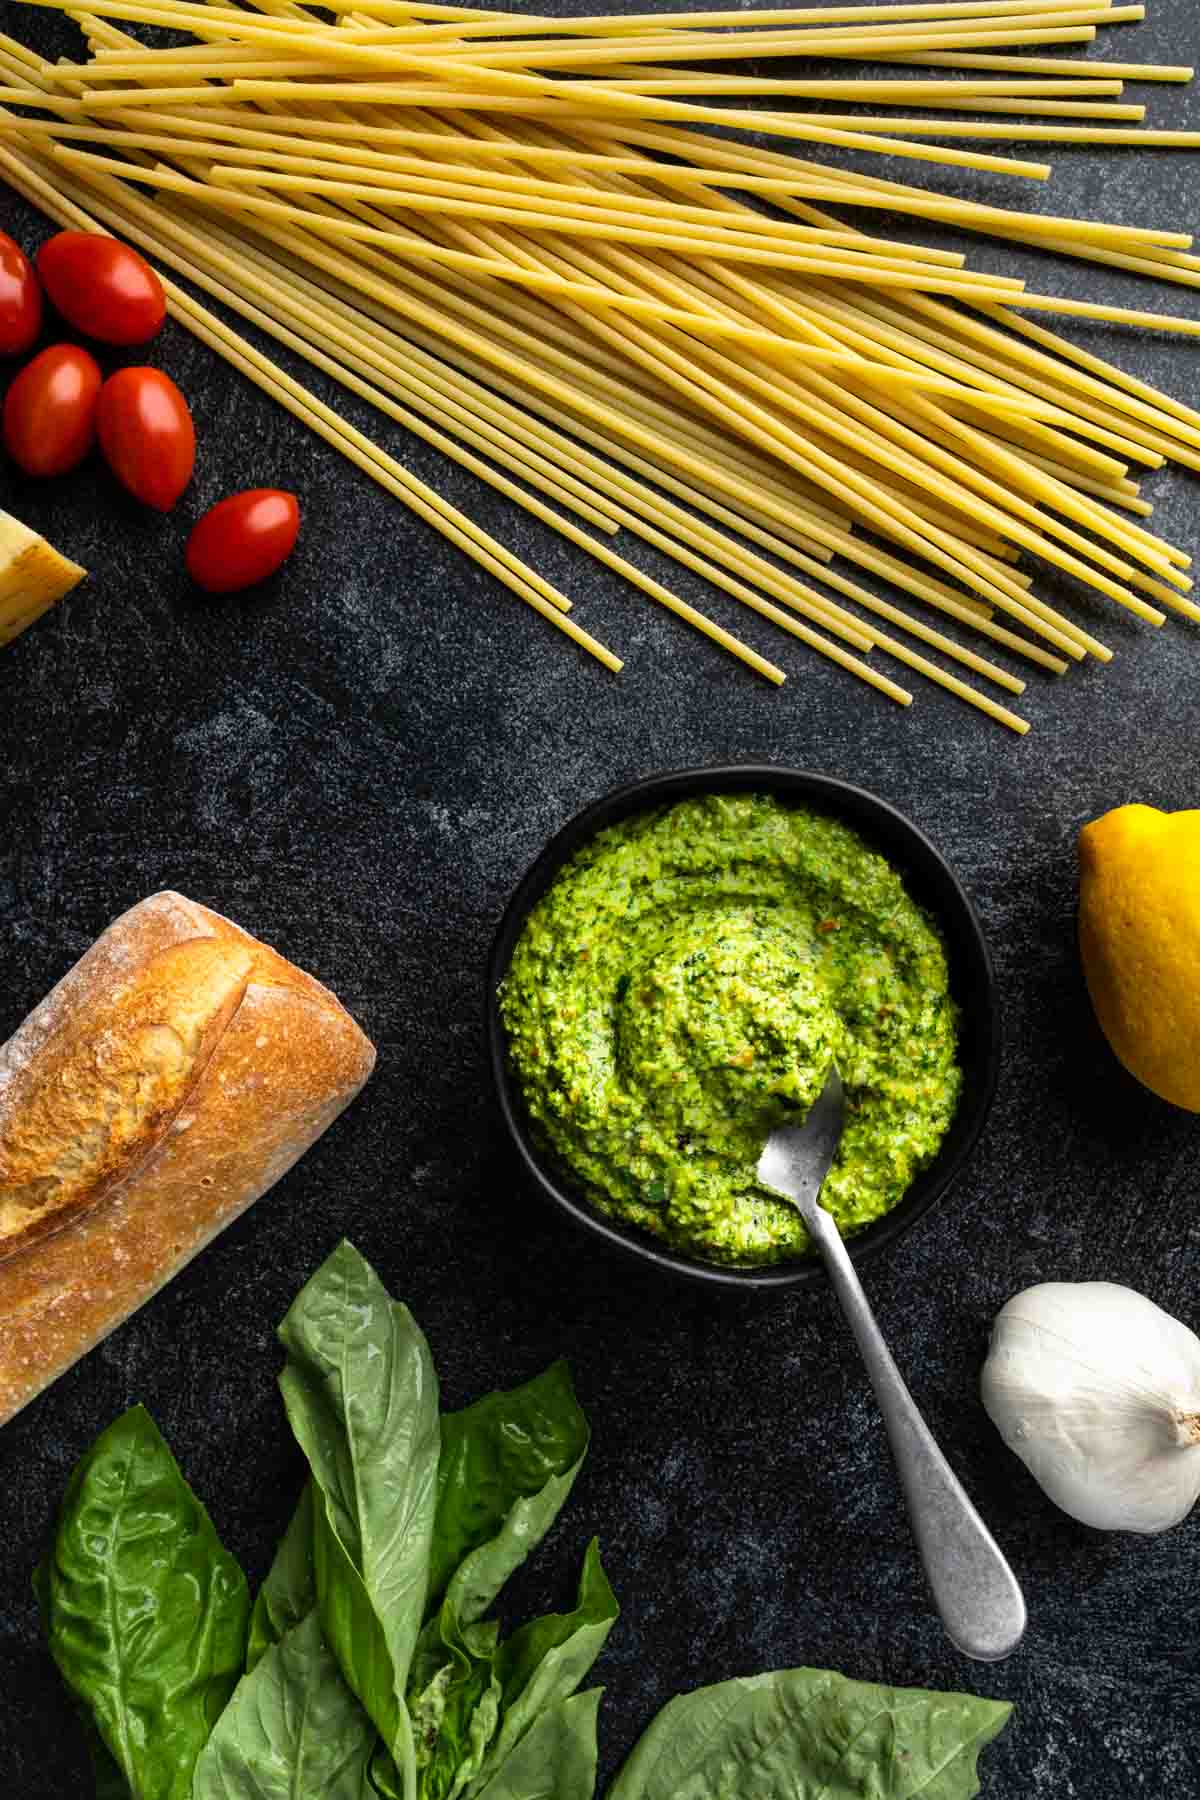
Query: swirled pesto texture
(684, 986)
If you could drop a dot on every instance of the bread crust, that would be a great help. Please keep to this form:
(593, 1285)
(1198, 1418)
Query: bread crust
(84, 1115)
(275, 1062)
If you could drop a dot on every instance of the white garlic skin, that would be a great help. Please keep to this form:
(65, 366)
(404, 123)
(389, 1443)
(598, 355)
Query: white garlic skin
(1097, 1390)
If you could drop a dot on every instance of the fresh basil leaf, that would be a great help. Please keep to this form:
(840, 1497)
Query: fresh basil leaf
(811, 1734)
(383, 1774)
(361, 1396)
(565, 1641)
(293, 1730)
(544, 1662)
(456, 1711)
(467, 1728)
(505, 1448)
(481, 1729)
(289, 1593)
(357, 1636)
(427, 1709)
(556, 1759)
(482, 1574)
(110, 1783)
(147, 1611)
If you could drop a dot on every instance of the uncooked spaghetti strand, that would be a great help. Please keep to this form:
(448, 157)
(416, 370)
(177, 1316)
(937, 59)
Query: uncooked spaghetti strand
(429, 297)
(983, 130)
(988, 219)
(845, 324)
(599, 103)
(455, 23)
(800, 400)
(525, 426)
(879, 562)
(1125, 497)
(1030, 65)
(1094, 99)
(479, 128)
(1079, 28)
(376, 26)
(1006, 463)
(751, 420)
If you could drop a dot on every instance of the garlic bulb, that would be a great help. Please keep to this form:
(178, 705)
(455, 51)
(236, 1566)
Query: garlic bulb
(1098, 1392)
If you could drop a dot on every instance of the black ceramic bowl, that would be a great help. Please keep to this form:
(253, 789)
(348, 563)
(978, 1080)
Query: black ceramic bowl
(928, 878)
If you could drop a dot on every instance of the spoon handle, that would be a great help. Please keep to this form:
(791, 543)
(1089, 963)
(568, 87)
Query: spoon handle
(973, 1587)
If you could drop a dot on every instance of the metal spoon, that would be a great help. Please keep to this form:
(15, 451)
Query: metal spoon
(973, 1587)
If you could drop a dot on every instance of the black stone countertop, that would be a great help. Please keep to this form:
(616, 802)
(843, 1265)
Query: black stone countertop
(357, 763)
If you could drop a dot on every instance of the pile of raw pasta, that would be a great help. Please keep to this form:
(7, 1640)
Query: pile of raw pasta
(554, 249)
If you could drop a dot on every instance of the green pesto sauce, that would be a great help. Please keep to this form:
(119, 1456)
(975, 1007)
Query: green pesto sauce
(684, 986)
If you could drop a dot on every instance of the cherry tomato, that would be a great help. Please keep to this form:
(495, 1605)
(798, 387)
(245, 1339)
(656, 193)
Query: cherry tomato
(102, 287)
(20, 299)
(147, 435)
(50, 410)
(243, 539)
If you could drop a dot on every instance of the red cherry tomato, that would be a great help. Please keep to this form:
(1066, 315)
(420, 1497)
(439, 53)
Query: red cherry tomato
(20, 299)
(102, 287)
(147, 435)
(243, 539)
(50, 410)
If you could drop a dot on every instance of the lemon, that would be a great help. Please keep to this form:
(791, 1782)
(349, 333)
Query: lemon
(1139, 935)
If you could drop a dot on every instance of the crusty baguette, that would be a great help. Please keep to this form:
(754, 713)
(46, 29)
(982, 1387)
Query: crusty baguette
(170, 1078)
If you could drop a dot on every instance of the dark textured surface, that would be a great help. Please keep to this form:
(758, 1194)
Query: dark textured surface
(358, 763)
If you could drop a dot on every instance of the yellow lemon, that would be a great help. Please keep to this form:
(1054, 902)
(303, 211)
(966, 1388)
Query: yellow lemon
(1139, 935)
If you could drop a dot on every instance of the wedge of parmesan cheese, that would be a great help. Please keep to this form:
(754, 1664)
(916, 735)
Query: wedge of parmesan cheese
(33, 576)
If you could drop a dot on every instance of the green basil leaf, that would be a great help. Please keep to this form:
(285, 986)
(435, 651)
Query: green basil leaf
(544, 1662)
(383, 1773)
(356, 1633)
(481, 1729)
(505, 1448)
(110, 1783)
(361, 1396)
(456, 1713)
(293, 1730)
(147, 1611)
(289, 1593)
(811, 1734)
(556, 1759)
(560, 1642)
(482, 1574)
